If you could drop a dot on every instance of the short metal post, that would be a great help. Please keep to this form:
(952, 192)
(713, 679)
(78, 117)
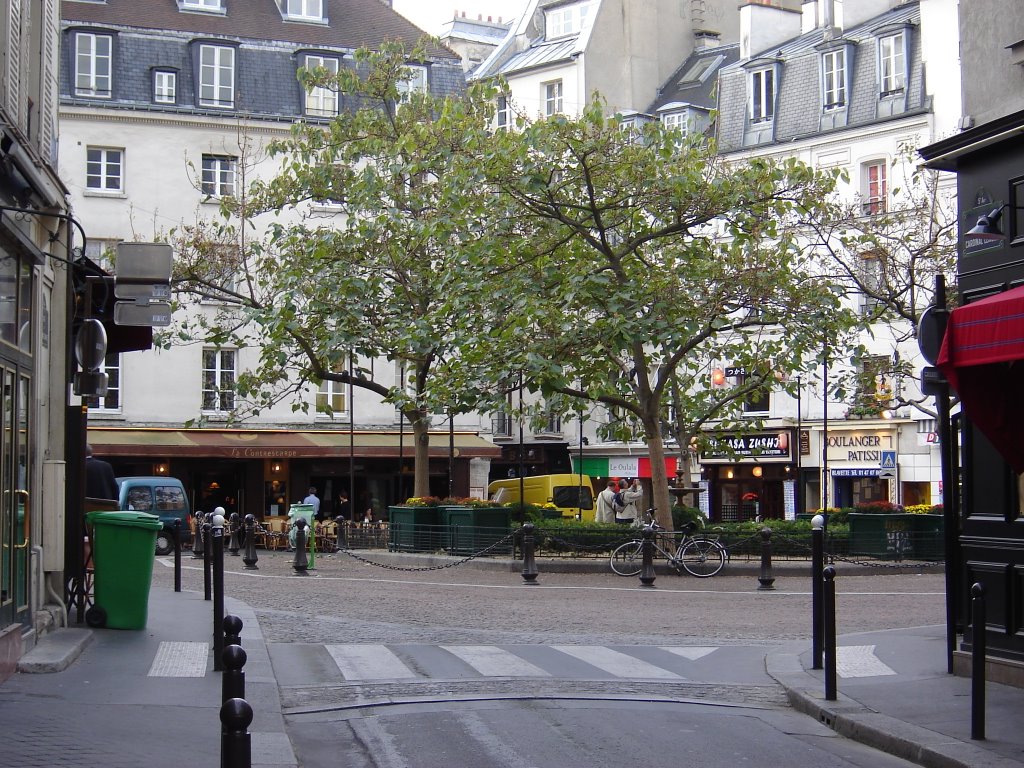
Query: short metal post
(233, 543)
(232, 681)
(829, 575)
(232, 630)
(766, 581)
(979, 627)
(817, 610)
(647, 574)
(341, 543)
(250, 557)
(236, 744)
(529, 563)
(197, 536)
(177, 554)
(218, 589)
(207, 558)
(301, 562)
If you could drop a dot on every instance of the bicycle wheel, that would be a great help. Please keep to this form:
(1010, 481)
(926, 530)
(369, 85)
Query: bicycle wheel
(627, 559)
(702, 557)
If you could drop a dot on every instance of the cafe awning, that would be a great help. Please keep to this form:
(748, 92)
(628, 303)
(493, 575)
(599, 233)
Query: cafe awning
(276, 444)
(982, 357)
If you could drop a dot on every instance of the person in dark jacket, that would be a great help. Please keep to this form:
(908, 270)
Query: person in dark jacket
(99, 477)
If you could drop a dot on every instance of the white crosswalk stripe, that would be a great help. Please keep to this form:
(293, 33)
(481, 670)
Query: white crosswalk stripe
(491, 661)
(369, 662)
(860, 661)
(616, 662)
(688, 652)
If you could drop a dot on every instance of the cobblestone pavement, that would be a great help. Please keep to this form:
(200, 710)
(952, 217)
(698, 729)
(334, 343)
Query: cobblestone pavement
(346, 601)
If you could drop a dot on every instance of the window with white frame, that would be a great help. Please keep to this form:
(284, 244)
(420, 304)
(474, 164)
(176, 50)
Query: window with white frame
(892, 63)
(201, 5)
(322, 101)
(565, 20)
(102, 252)
(675, 120)
(218, 176)
(871, 266)
(165, 87)
(874, 187)
(216, 76)
(762, 95)
(502, 115)
(93, 64)
(331, 398)
(104, 170)
(833, 74)
(757, 401)
(111, 401)
(307, 10)
(219, 380)
(552, 95)
(414, 81)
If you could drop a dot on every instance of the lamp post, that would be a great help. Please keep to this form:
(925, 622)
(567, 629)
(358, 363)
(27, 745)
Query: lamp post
(799, 436)
(824, 433)
(522, 482)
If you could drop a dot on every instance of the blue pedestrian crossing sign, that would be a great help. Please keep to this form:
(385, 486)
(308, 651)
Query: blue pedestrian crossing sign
(888, 460)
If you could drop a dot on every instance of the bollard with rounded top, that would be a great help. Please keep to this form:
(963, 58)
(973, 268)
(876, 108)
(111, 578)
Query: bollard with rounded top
(177, 554)
(529, 563)
(817, 564)
(236, 745)
(647, 574)
(829, 576)
(301, 562)
(233, 541)
(250, 557)
(766, 581)
(978, 650)
(207, 556)
(232, 682)
(197, 537)
(232, 630)
(217, 557)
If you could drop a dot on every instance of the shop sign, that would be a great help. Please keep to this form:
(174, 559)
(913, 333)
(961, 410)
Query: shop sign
(757, 446)
(859, 447)
(855, 472)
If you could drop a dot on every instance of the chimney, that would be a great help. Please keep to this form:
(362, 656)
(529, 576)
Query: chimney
(765, 24)
(808, 16)
(704, 40)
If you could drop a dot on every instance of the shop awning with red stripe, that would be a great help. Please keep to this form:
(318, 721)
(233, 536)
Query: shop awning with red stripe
(982, 357)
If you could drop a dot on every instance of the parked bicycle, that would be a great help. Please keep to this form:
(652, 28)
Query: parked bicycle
(701, 556)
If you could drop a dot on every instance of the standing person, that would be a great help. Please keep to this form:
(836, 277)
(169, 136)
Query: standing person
(343, 508)
(99, 477)
(606, 503)
(313, 500)
(630, 498)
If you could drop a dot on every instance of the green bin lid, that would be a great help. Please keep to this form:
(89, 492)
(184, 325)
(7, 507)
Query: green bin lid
(134, 519)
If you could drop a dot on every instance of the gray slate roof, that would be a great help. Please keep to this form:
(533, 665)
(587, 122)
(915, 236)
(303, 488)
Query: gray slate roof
(698, 93)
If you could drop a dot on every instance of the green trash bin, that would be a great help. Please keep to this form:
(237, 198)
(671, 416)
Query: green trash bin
(123, 548)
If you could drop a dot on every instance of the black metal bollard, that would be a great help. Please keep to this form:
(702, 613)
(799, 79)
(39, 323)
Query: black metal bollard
(647, 574)
(197, 536)
(250, 557)
(529, 564)
(766, 581)
(207, 557)
(233, 542)
(218, 590)
(301, 562)
(236, 744)
(232, 681)
(177, 554)
(817, 610)
(341, 543)
(232, 630)
(979, 622)
(829, 575)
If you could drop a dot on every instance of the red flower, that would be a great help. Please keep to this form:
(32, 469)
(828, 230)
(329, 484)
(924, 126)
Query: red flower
(750, 497)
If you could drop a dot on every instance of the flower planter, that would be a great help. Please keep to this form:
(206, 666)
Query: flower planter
(414, 529)
(466, 530)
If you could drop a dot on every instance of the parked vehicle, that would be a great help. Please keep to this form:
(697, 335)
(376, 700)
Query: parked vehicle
(572, 495)
(162, 496)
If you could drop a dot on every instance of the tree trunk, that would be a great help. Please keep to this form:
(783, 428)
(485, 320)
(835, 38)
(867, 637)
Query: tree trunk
(659, 477)
(421, 439)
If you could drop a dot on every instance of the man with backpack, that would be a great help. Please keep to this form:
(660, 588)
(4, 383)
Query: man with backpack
(606, 509)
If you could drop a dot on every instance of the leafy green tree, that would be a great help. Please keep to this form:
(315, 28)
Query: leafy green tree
(644, 262)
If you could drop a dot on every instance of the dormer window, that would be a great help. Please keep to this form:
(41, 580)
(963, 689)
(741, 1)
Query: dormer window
(833, 79)
(892, 64)
(303, 10)
(762, 95)
(413, 80)
(209, 6)
(565, 20)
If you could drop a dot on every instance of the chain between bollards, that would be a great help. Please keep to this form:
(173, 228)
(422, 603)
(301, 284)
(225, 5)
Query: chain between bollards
(647, 575)
(829, 576)
(233, 542)
(817, 610)
(250, 557)
(529, 562)
(766, 581)
(979, 622)
(217, 546)
(301, 561)
(177, 554)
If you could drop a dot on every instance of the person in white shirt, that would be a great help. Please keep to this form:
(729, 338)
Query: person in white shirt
(631, 496)
(313, 500)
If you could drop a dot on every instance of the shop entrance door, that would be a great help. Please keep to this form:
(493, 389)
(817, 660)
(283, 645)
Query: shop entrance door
(15, 511)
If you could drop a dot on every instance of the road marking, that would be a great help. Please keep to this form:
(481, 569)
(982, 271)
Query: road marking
(368, 662)
(180, 659)
(491, 661)
(615, 662)
(688, 652)
(860, 661)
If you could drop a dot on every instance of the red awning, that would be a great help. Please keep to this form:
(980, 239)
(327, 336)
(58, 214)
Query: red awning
(982, 356)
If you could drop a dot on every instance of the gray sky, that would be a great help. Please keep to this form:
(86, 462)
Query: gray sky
(429, 15)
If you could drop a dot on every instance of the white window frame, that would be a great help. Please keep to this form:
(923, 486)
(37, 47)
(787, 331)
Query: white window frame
(165, 87)
(218, 175)
(306, 10)
(215, 6)
(565, 20)
(762, 95)
(320, 100)
(334, 393)
(874, 187)
(219, 375)
(111, 401)
(90, 80)
(676, 119)
(503, 112)
(413, 82)
(216, 76)
(833, 79)
(105, 166)
(552, 95)
(892, 63)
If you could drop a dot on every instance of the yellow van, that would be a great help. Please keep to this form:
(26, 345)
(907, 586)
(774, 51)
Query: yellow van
(571, 494)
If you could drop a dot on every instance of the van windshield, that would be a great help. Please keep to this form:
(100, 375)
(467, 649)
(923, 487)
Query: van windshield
(573, 496)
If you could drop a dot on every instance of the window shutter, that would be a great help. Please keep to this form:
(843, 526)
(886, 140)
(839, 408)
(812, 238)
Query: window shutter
(14, 69)
(47, 108)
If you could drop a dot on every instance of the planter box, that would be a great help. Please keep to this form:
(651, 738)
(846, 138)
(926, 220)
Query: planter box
(897, 536)
(414, 529)
(471, 529)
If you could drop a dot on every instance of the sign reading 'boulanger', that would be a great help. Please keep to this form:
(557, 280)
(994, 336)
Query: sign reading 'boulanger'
(758, 446)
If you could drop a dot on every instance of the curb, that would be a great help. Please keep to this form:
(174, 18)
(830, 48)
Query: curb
(56, 651)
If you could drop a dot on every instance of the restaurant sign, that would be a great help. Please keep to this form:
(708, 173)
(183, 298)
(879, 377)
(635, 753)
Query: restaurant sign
(753, 447)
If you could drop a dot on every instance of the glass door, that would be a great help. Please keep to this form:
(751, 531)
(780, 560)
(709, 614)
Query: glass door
(15, 511)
